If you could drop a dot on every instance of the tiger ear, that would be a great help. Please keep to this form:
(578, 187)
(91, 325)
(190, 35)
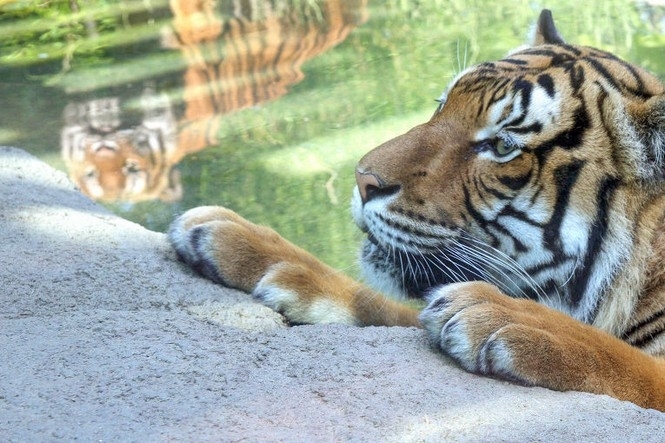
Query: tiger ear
(546, 32)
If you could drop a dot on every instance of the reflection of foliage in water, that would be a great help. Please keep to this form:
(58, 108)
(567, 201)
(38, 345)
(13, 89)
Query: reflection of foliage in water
(70, 32)
(274, 163)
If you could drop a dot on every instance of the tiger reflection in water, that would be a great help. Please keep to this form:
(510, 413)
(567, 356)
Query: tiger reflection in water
(238, 54)
(112, 163)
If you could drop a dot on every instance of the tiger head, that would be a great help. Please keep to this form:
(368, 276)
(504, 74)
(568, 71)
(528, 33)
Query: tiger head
(530, 175)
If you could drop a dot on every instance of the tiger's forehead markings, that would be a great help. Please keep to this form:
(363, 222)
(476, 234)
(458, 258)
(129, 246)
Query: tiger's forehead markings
(507, 108)
(521, 110)
(509, 100)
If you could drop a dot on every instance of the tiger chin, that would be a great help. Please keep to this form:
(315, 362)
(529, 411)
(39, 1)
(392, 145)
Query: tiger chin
(528, 211)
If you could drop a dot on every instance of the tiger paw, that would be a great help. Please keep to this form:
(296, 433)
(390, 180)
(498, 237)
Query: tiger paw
(225, 247)
(489, 333)
(520, 340)
(462, 319)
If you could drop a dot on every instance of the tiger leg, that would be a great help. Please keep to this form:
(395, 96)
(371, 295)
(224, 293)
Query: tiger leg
(523, 341)
(236, 253)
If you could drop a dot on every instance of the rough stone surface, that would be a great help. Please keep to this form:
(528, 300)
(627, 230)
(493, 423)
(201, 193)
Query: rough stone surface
(104, 336)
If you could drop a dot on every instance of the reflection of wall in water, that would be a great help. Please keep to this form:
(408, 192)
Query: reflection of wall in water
(237, 55)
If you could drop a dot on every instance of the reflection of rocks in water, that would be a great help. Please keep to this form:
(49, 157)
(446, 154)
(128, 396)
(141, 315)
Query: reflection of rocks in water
(112, 161)
(238, 55)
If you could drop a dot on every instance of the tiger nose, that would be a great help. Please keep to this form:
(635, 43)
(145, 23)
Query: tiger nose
(371, 185)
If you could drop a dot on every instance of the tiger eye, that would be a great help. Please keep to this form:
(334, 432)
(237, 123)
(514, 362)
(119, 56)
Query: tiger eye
(502, 148)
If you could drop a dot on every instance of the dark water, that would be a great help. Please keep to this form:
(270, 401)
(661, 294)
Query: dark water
(157, 107)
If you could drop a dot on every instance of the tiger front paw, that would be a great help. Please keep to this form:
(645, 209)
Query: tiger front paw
(520, 340)
(464, 321)
(489, 333)
(223, 246)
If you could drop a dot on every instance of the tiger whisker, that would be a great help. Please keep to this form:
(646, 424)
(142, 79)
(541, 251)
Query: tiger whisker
(507, 261)
(507, 270)
(445, 269)
(572, 272)
(427, 274)
(478, 266)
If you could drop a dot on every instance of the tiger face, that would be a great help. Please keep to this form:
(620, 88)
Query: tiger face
(527, 176)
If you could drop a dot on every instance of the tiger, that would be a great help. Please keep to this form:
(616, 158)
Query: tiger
(528, 214)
